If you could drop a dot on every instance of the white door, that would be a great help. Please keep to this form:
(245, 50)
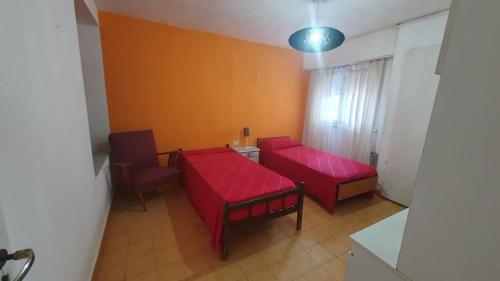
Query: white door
(4, 244)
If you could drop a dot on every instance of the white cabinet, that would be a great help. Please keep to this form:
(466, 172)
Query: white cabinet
(250, 152)
(375, 251)
(363, 266)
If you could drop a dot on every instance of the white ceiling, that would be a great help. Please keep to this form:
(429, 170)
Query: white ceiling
(273, 21)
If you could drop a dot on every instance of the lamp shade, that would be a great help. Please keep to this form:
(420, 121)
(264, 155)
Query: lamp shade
(316, 39)
(246, 132)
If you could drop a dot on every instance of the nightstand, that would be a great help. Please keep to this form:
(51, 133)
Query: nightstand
(250, 152)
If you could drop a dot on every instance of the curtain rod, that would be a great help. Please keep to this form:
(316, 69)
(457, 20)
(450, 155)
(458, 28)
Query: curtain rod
(355, 63)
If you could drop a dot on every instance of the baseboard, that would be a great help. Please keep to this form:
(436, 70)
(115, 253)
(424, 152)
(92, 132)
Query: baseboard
(103, 237)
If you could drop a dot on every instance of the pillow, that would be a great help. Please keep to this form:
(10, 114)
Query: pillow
(278, 143)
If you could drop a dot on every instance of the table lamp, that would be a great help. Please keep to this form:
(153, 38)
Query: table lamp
(246, 134)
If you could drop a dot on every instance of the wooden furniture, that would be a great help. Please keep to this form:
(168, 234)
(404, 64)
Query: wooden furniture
(344, 190)
(228, 202)
(261, 140)
(375, 251)
(354, 188)
(269, 214)
(250, 152)
(135, 166)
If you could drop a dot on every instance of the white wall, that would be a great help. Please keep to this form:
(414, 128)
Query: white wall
(371, 46)
(93, 77)
(453, 229)
(92, 7)
(50, 197)
(412, 92)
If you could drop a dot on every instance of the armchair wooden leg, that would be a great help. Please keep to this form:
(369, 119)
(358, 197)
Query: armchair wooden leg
(143, 202)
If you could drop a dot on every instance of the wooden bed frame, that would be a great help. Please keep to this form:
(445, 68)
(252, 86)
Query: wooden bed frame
(348, 189)
(268, 214)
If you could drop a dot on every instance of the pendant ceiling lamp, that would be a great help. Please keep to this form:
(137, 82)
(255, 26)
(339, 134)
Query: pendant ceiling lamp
(316, 39)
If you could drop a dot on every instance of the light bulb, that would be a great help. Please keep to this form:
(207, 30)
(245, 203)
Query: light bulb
(315, 37)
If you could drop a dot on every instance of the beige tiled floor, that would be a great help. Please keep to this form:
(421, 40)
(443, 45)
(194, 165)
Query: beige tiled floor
(170, 242)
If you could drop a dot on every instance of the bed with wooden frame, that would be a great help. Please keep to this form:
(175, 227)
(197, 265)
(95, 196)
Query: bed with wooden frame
(227, 190)
(328, 178)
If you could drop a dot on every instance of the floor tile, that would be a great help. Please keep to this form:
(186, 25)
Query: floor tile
(336, 268)
(335, 246)
(110, 258)
(231, 272)
(318, 233)
(173, 272)
(140, 249)
(115, 243)
(198, 264)
(139, 265)
(163, 242)
(261, 275)
(318, 274)
(139, 235)
(149, 276)
(279, 251)
(113, 273)
(320, 254)
(167, 256)
(251, 264)
(293, 267)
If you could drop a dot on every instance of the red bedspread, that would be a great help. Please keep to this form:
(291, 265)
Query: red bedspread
(215, 176)
(320, 171)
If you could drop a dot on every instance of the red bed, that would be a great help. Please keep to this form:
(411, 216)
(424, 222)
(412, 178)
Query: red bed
(327, 177)
(227, 190)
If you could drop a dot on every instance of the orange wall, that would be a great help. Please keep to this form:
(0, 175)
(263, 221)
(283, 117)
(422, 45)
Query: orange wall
(197, 89)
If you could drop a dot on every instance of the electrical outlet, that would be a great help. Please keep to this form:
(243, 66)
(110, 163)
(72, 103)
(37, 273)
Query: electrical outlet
(236, 142)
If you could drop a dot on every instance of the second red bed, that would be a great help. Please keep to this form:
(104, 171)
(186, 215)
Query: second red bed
(227, 190)
(327, 177)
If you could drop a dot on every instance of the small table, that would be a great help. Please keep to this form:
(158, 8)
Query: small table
(250, 152)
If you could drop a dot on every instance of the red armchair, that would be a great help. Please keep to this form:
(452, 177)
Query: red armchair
(135, 163)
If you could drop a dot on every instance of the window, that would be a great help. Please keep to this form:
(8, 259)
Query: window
(331, 104)
(330, 107)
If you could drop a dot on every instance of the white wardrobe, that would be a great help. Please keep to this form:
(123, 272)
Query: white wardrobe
(411, 96)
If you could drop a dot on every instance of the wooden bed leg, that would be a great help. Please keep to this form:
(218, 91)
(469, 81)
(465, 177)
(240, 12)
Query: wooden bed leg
(223, 243)
(300, 206)
(224, 254)
(370, 194)
(143, 202)
(225, 230)
(175, 190)
(179, 151)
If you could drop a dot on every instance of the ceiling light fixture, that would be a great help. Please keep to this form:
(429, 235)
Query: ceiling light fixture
(316, 39)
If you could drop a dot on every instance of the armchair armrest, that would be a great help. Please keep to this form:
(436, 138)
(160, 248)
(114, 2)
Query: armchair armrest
(125, 171)
(122, 164)
(165, 152)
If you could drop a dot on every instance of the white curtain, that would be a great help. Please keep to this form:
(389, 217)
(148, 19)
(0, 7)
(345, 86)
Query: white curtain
(341, 109)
